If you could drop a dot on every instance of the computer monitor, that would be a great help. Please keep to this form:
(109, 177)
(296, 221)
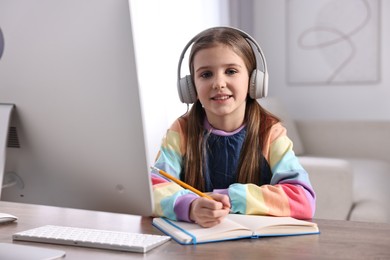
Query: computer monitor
(75, 137)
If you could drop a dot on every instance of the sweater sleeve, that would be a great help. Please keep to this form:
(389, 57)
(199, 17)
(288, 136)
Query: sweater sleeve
(289, 193)
(171, 200)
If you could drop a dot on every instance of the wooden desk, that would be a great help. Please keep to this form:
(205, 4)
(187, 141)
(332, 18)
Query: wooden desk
(338, 239)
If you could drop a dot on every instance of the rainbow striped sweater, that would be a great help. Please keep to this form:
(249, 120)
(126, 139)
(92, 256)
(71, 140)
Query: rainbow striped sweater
(287, 192)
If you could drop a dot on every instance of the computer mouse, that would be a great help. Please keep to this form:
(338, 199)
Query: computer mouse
(5, 217)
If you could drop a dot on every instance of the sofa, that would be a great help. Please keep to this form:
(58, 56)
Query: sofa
(348, 163)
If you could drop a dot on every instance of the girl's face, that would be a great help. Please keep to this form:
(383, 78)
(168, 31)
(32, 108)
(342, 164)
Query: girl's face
(221, 80)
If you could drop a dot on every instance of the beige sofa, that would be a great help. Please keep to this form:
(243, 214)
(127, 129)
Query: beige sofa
(348, 163)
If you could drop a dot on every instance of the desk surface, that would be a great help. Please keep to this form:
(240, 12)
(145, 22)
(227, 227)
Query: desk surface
(338, 239)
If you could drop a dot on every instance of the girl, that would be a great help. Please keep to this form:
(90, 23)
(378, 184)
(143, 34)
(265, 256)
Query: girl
(227, 144)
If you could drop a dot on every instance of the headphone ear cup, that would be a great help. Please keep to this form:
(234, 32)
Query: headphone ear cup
(258, 84)
(186, 89)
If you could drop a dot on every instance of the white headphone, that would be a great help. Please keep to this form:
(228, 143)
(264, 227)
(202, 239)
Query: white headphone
(258, 82)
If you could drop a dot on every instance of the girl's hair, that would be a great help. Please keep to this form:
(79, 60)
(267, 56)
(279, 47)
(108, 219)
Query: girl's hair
(258, 120)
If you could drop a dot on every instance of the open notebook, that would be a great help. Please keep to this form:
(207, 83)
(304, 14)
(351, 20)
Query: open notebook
(235, 226)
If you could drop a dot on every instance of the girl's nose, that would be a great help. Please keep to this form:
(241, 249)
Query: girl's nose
(219, 82)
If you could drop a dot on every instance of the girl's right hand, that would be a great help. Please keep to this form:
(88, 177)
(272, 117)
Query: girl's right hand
(208, 213)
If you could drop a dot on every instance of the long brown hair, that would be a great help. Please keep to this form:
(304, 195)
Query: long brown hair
(258, 120)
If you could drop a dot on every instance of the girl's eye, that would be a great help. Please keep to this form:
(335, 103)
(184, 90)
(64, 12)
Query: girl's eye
(206, 74)
(231, 71)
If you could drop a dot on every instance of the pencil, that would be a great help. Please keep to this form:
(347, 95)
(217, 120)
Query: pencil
(181, 183)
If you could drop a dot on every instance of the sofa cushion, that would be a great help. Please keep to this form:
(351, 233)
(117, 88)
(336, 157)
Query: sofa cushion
(370, 186)
(332, 182)
(369, 211)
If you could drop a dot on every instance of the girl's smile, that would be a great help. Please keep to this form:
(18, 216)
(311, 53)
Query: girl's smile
(221, 97)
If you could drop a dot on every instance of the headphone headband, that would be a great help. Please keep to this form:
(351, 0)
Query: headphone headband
(258, 84)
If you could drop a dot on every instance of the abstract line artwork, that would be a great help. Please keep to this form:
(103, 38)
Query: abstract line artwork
(332, 42)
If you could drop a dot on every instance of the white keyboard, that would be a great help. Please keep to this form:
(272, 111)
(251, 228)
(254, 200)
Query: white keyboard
(104, 239)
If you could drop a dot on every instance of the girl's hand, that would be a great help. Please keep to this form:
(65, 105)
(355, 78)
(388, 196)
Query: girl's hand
(208, 213)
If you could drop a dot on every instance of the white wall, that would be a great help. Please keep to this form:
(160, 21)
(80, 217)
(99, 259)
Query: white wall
(356, 102)
(161, 29)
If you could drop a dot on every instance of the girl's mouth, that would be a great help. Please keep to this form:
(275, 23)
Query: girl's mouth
(224, 97)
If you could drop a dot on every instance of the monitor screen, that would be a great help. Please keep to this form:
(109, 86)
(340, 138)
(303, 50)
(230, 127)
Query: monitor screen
(75, 137)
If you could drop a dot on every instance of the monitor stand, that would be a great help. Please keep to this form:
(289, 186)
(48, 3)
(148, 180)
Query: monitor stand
(9, 250)
(5, 119)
